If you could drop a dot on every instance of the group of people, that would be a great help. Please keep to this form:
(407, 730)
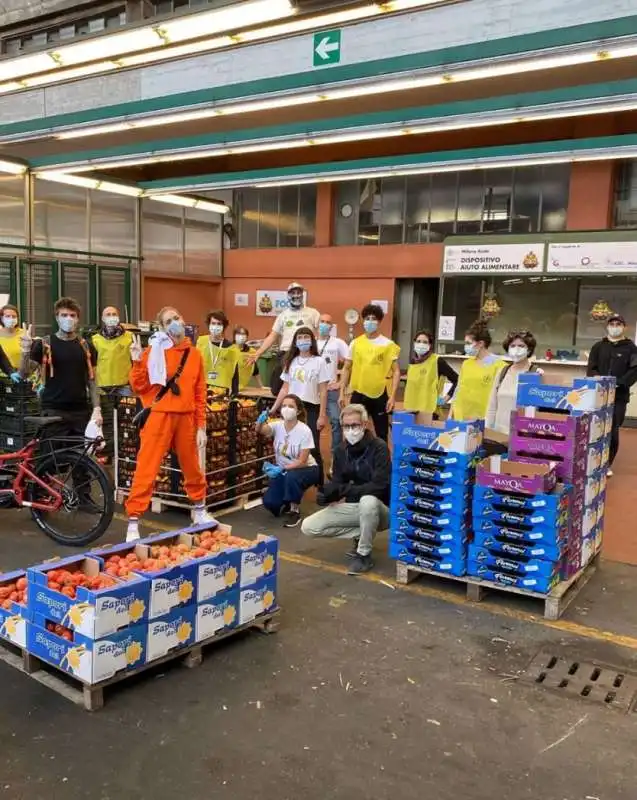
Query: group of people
(319, 380)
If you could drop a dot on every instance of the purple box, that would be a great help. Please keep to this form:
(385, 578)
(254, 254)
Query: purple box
(552, 427)
(548, 449)
(516, 477)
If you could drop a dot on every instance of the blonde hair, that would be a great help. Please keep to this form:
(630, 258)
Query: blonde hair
(162, 311)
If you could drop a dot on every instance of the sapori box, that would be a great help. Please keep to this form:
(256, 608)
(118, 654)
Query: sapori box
(470, 259)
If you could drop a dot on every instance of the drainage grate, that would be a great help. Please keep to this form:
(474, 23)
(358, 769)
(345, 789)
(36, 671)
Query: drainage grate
(607, 686)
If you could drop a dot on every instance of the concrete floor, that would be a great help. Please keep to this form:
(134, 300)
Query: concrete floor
(365, 692)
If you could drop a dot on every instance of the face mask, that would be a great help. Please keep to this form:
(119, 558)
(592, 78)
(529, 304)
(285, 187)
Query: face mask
(304, 346)
(354, 435)
(111, 321)
(240, 339)
(176, 328)
(370, 326)
(288, 413)
(324, 329)
(470, 349)
(518, 353)
(9, 322)
(67, 324)
(296, 301)
(216, 330)
(615, 331)
(420, 348)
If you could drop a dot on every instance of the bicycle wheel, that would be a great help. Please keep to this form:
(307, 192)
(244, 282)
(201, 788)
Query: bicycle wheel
(88, 501)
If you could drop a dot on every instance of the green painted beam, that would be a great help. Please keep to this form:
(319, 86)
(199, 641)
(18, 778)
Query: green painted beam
(383, 67)
(388, 162)
(513, 102)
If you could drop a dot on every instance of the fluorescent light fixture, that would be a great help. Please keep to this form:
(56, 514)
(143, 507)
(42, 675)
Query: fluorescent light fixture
(91, 183)
(239, 15)
(405, 5)
(190, 202)
(12, 168)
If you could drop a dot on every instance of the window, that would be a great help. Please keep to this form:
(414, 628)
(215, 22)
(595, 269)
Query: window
(428, 208)
(625, 213)
(61, 216)
(281, 216)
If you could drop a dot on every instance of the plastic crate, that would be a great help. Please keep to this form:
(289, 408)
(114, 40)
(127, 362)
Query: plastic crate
(15, 424)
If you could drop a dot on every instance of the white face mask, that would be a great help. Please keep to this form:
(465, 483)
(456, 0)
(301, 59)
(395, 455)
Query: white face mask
(111, 320)
(240, 339)
(67, 324)
(216, 330)
(9, 322)
(615, 331)
(421, 348)
(518, 352)
(288, 413)
(354, 435)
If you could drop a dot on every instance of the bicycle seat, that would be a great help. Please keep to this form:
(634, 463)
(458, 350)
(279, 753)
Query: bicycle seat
(41, 422)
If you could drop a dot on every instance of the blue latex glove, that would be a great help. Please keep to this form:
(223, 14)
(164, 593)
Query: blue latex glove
(262, 418)
(39, 389)
(15, 377)
(271, 470)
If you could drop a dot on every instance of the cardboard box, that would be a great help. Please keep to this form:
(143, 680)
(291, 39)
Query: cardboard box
(424, 488)
(13, 621)
(257, 599)
(548, 426)
(93, 613)
(450, 436)
(449, 566)
(548, 449)
(456, 503)
(259, 561)
(597, 428)
(552, 502)
(531, 583)
(516, 565)
(426, 534)
(547, 550)
(438, 460)
(492, 523)
(447, 475)
(217, 615)
(455, 548)
(170, 632)
(516, 477)
(579, 396)
(429, 519)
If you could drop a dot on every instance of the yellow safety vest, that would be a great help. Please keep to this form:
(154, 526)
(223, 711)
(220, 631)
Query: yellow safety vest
(421, 391)
(245, 370)
(113, 359)
(474, 388)
(371, 363)
(11, 347)
(219, 363)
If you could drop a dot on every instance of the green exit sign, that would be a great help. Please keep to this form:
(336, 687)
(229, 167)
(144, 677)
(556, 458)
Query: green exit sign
(327, 48)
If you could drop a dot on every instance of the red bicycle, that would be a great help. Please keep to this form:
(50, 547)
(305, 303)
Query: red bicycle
(60, 482)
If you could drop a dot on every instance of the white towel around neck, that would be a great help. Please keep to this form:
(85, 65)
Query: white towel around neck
(159, 342)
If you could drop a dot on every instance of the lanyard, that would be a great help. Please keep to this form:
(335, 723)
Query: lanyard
(215, 357)
(324, 346)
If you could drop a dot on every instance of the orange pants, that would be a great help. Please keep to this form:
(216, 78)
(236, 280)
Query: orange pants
(161, 433)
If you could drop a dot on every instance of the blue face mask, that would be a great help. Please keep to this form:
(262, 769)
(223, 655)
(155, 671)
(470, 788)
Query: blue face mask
(470, 349)
(67, 324)
(370, 326)
(304, 346)
(175, 328)
(324, 329)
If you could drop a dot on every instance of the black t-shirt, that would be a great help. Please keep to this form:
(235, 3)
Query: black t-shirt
(67, 388)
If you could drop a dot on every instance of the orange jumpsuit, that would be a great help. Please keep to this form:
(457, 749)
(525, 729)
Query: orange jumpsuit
(171, 425)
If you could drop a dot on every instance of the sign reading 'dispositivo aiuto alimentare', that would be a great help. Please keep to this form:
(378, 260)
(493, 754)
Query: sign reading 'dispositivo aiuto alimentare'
(470, 259)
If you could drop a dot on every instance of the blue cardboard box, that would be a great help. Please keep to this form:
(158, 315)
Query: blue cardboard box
(453, 551)
(583, 395)
(551, 550)
(93, 613)
(217, 615)
(455, 475)
(518, 565)
(13, 620)
(89, 660)
(432, 535)
(171, 632)
(429, 519)
(531, 583)
(453, 503)
(553, 502)
(448, 566)
(260, 598)
(423, 488)
(428, 458)
(491, 523)
(450, 436)
(259, 561)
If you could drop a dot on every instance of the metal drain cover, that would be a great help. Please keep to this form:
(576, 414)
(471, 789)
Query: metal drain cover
(604, 685)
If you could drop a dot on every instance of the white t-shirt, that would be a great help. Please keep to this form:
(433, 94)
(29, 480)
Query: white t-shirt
(332, 351)
(289, 444)
(290, 319)
(304, 376)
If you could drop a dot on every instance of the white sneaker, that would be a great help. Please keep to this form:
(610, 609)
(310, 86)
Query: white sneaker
(201, 517)
(132, 532)
(609, 474)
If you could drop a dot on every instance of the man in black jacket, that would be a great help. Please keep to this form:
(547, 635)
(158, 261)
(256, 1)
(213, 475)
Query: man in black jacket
(615, 355)
(356, 499)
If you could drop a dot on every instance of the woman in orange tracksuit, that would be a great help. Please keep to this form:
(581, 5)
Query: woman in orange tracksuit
(177, 421)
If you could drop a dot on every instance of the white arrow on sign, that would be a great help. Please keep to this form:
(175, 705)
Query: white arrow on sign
(325, 47)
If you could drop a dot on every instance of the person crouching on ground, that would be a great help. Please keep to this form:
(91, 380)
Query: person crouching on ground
(169, 378)
(356, 499)
(296, 468)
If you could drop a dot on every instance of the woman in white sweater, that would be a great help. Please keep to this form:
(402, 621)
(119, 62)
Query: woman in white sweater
(520, 347)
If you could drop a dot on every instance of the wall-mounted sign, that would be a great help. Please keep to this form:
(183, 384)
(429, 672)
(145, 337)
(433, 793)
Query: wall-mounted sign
(446, 329)
(241, 299)
(600, 257)
(493, 259)
(270, 302)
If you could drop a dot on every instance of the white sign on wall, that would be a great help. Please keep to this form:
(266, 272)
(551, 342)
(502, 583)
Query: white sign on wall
(601, 257)
(493, 259)
(446, 329)
(241, 299)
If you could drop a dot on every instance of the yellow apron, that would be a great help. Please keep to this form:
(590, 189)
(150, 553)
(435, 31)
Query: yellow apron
(474, 388)
(219, 363)
(421, 391)
(113, 359)
(11, 347)
(371, 363)
(245, 370)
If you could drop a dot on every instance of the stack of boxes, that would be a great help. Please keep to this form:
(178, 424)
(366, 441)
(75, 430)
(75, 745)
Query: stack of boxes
(146, 615)
(432, 478)
(17, 400)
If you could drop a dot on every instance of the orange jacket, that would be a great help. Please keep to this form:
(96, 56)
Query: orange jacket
(192, 383)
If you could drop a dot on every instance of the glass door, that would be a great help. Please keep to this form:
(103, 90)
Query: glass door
(39, 290)
(79, 282)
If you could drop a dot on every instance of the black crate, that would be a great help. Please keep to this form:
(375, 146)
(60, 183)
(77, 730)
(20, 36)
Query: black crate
(19, 406)
(11, 443)
(15, 424)
(24, 389)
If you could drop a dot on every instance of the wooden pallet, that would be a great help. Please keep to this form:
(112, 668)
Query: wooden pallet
(91, 696)
(160, 504)
(555, 602)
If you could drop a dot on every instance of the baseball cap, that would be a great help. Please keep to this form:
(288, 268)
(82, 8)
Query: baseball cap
(616, 318)
(295, 286)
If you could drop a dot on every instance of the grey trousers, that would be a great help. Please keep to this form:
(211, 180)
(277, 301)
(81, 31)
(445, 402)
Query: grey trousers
(360, 521)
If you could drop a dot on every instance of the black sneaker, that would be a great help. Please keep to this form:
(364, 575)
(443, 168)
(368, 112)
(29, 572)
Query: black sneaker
(292, 519)
(353, 551)
(360, 565)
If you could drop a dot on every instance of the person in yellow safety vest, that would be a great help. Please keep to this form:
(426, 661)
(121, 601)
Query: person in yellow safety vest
(10, 334)
(373, 357)
(220, 358)
(246, 369)
(477, 374)
(426, 372)
(112, 344)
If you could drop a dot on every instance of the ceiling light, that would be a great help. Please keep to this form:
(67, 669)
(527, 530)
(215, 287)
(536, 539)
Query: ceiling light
(79, 133)
(91, 183)
(404, 5)
(13, 168)
(241, 15)
(190, 202)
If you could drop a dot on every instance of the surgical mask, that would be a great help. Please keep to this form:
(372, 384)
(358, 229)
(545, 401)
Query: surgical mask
(421, 348)
(67, 324)
(9, 322)
(216, 330)
(304, 346)
(470, 349)
(111, 320)
(354, 435)
(288, 413)
(175, 328)
(240, 339)
(324, 329)
(518, 353)
(615, 331)
(370, 326)
(296, 301)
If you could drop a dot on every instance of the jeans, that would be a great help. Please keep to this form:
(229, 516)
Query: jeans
(360, 521)
(334, 416)
(289, 487)
(54, 438)
(376, 408)
(619, 415)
